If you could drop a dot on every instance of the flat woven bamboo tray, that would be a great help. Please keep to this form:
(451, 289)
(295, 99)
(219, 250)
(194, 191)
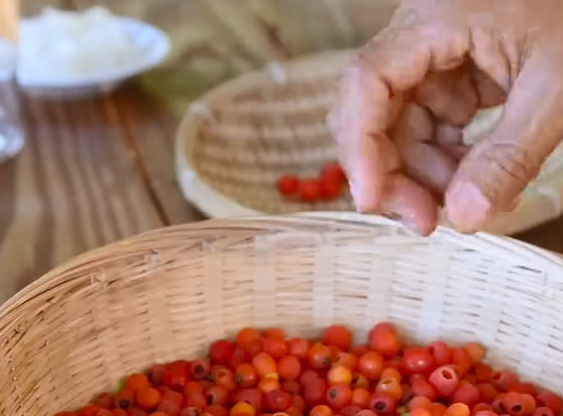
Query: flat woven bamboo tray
(166, 294)
(235, 142)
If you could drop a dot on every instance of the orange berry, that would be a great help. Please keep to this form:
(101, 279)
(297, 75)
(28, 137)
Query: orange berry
(337, 335)
(125, 398)
(274, 333)
(299, 347)
(339, 374)
(475, 351)
(390, 387)
(360, 397)
(384, 340)
(148, 398)
(338, 396)
(320, 356)
(215, 410)
(359, 381)
(391, 372)
(371, 365)
(276, 347)
(293, 411)
(193, 387)
(419, 401)
(268, 384)
(264, 364)
(346, 358)
(137, 381)
(242, 409)
(246, 336)
(320, 410)
(458, 409)
(89, 411)
(419, 411)
(289, 367)
(246, 375)
(437, 409)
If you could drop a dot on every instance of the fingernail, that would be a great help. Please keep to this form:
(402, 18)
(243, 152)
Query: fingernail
(360, 197)
(468, 209)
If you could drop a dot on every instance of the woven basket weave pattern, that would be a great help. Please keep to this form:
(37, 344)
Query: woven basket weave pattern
(166, 294)
(261, 129)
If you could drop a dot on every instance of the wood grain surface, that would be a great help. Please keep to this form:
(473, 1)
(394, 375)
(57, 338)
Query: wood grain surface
(94, 172)
(91, 173)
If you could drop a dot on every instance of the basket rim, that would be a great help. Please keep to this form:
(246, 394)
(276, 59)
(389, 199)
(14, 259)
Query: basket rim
(306, 222)
(197, 191)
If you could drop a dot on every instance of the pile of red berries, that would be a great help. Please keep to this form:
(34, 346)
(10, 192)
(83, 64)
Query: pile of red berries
(262, 373)
(326, 187)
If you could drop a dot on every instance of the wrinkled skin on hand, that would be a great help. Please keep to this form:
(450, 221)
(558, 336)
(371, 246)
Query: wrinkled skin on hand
(440, 61)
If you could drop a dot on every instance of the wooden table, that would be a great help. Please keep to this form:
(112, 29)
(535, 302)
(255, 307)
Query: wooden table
(91, 173)
(95, 172)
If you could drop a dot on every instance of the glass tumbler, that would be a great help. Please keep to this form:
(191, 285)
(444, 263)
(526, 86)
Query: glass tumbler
(11, 133)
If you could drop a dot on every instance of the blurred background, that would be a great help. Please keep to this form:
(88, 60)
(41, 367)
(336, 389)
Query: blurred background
(213, 40)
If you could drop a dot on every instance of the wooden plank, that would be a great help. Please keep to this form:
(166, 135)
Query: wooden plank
(150, 129)
(76, 186)
(548, 236)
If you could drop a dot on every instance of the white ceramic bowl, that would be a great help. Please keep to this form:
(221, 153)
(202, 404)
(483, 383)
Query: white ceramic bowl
(153, 42)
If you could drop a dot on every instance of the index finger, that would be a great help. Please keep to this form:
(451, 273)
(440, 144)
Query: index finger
(394, 61)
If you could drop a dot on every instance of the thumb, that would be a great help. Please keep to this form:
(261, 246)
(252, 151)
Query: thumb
(498, 169)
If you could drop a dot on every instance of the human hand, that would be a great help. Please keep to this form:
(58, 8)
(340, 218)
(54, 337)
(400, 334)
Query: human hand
(410, 91)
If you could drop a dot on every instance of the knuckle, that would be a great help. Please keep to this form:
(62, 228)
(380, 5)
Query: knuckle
(511, 161)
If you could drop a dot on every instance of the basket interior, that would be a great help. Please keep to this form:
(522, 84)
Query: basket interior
(263, 127)
(167, 294)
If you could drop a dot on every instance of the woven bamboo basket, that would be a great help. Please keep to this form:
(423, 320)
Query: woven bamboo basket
(235, 142)
(166, 294)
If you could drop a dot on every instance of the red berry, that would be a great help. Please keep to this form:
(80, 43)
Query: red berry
(418, 360)
(276, 347)
(338, 336)
(441, 352)
(543, 411)
(176, 377)
(487, 391)
(382, 403)
(370, 365)
(483, 372)
(551, 400)
(462, 359)
(310, 190)
(332, 171)
(307, 376)
(503, 380)
(445, 380)
(216, 395)
(338, 396)
(253, 396)
(299, 347)
(289, 367)
(221, 352)
(421, 387)
(384, 340)
(278, 400)
(199, 369)
(288, 185)
(315, 392)
(466, 393)
(330, 189)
